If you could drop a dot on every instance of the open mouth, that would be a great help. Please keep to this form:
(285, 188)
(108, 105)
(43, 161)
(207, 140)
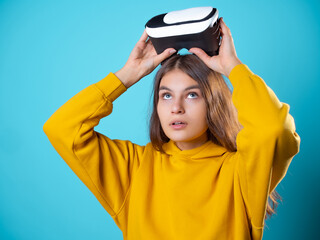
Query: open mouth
(177, 123)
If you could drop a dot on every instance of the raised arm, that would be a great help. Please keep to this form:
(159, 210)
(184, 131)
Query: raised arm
(267, 142)
(105, 166)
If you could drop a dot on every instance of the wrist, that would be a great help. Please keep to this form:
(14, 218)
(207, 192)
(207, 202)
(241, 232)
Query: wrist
(126, 76)
(234, 62)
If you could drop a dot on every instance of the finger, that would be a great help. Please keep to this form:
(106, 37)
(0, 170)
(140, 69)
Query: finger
(150, 48)
(220, 30)
(149, 42)
(144, 36)
(201, 54)
(225, 30)
(162, 56)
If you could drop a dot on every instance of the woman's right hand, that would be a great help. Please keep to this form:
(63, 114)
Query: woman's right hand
(142, 61)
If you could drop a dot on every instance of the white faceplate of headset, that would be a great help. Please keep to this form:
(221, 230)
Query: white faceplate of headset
(169, 27)
(191, 14)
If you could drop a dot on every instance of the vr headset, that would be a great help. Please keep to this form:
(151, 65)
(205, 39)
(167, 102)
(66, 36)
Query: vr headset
(193, 27)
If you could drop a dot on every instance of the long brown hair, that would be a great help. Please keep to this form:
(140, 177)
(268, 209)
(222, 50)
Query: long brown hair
(223, 125)
(222, 120)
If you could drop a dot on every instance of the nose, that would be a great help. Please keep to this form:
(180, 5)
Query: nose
(177, 107)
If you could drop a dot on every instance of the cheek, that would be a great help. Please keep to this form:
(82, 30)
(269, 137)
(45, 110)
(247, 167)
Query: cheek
(161, 111)
(200, 113)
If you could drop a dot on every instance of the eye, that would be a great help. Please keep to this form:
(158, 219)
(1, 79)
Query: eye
(192, 95)
(166, 96)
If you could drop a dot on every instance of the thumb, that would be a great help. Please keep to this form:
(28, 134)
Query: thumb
(201, 54)
(162, 56)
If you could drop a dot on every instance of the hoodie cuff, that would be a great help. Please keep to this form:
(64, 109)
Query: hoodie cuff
(238, 73)
(111, 87)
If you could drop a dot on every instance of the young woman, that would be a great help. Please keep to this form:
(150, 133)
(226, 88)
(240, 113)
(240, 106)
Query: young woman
(214, 157)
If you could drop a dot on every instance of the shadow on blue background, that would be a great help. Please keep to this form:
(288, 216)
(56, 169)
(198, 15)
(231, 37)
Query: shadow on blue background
(50, 50)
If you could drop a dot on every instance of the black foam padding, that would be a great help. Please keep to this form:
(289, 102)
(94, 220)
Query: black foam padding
(208, 40)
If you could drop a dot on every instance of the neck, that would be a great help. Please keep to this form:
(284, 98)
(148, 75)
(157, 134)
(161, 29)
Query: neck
(192, 144)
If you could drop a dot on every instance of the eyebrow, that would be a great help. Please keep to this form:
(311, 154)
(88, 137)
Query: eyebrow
(186, 89)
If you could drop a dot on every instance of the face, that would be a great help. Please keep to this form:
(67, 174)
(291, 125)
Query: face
(182, 110)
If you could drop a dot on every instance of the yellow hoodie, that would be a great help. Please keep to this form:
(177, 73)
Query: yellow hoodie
(204, 193)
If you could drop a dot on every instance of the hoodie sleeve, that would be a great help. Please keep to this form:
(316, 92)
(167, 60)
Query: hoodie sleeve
(105, 166)
(265, 145)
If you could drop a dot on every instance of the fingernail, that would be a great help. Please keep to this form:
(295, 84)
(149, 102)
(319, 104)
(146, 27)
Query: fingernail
(172, 51)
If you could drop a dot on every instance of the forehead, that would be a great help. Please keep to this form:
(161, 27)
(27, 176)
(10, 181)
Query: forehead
(177, 79)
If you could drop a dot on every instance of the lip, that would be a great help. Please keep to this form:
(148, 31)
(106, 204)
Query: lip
(178, 126)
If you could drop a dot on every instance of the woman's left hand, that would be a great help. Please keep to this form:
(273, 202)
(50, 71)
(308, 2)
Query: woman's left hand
(227, 58)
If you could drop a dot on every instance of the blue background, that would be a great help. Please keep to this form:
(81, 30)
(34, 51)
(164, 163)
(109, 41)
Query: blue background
(50, 50)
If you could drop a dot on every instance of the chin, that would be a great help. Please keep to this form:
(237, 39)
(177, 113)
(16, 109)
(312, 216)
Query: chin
(181, 139)
(188, 138)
